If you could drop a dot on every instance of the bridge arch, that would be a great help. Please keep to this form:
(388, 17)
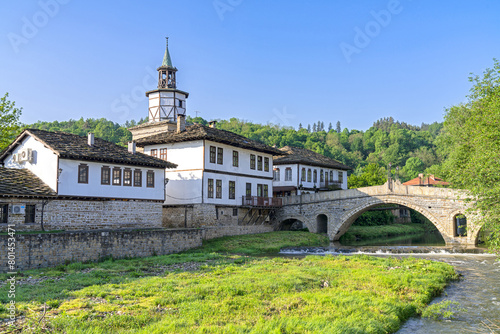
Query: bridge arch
(285, 224)
(350, 216)
(322, 223)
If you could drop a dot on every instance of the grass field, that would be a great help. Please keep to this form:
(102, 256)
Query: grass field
(382, 231)
(220, 289)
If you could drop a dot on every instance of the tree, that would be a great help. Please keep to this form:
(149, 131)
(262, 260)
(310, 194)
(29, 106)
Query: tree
(372, 175)
(330, 127)
(337, 128)
(9, 121)
(300, 126)
(413, 167)
(471, 138)
(314, 127)
(309, 128)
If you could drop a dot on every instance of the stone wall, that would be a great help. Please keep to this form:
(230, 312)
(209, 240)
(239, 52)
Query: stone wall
(218, 221)
(86, 215)
(224, 231)
(51, 249)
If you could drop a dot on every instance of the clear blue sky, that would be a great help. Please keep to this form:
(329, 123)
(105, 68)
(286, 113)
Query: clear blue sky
(286, 62)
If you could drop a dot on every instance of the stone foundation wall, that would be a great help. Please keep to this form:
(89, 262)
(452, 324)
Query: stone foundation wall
(86, 215)
(218, 221)
(224, 231)
(51, 249)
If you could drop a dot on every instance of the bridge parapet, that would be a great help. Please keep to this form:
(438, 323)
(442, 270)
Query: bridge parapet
(394, 188)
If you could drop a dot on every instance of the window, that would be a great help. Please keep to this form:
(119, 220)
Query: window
(117, 176)
(266, 190)
(154, 153)
(326, 178)
(321, 176)
(235, 159)
(276, 174)
(180, 103)
(288, 174)
(341, 177)
(232, 189)
(29, 217)
(235, 212)
(210, 188)
(259, 190)
(331, 176)
(127, 177)
(259, 163)
(218, 188)
(105, 175)
(150, 179)
(248, 189)
(309, 175)
(220, 153)
(163, 154)
(303, 177)
(137, 178)
(212, 154)
(83, 173)
(252, 161)
(266, 164)
(4, 213)
(315, 176)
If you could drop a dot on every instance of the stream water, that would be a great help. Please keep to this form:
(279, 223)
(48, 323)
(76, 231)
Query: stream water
(477, 291)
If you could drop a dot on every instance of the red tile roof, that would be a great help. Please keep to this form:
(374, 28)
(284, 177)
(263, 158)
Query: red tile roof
(430, 181)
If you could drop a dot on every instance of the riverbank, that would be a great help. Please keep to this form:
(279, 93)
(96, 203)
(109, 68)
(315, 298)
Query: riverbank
(220, 288)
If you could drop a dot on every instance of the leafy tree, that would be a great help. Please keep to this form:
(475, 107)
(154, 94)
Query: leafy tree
(372, 175)
(471, 138)
(9, 121)
(413, 167)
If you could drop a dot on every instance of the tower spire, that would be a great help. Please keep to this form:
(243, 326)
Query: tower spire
(167, 61)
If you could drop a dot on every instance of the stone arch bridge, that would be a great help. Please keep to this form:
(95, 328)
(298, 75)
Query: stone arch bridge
(335, 211)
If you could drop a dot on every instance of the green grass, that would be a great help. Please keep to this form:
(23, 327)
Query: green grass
(230, 293)
(382, 231)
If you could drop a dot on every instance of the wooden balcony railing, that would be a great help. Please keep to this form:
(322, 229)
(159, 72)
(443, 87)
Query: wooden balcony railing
(261, 201)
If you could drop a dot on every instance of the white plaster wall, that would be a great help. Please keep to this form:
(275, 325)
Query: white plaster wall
(240, 188)
(187, 155)
(184, 187)
(44, 163)
(244, 160)
(282, 183)
(69, 186)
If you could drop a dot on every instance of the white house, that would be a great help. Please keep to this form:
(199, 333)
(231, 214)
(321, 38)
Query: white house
(300, 170)
(220, 176)
(89, 182)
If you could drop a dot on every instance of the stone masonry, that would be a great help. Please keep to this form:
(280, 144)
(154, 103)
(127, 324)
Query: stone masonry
(51, 249)
(87, 215)
(342, 208)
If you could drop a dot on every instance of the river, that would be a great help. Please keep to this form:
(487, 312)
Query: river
(477, 291)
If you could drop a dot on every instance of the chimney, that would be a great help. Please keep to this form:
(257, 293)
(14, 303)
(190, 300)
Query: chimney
(212, 124)
(181, 123)
(131, 147)
(90, 139)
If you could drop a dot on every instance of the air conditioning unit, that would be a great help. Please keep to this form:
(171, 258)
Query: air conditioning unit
(25, 155)
(18, 209)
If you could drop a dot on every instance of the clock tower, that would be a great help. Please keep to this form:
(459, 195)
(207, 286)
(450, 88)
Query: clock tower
(166, 102)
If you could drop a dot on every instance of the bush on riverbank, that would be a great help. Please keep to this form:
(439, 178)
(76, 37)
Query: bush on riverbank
(383, 231)
(203, 291)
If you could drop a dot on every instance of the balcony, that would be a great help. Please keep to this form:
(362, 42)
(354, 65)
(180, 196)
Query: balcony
(261, 201)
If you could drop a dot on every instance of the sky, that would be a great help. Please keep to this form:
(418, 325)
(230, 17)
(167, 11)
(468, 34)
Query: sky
(279, 62)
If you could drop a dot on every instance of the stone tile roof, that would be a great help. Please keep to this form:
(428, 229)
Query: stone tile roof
(295, 155)
(198, 132)
(70, 146)
(22, 183)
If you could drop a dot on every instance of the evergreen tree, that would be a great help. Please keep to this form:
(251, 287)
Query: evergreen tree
(314, 127)
(322, 126)
(338, 129)
(309, 128)
(300, 126)
(330, 127)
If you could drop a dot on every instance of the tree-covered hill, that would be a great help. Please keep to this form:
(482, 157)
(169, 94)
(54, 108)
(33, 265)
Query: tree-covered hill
(412, 148)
